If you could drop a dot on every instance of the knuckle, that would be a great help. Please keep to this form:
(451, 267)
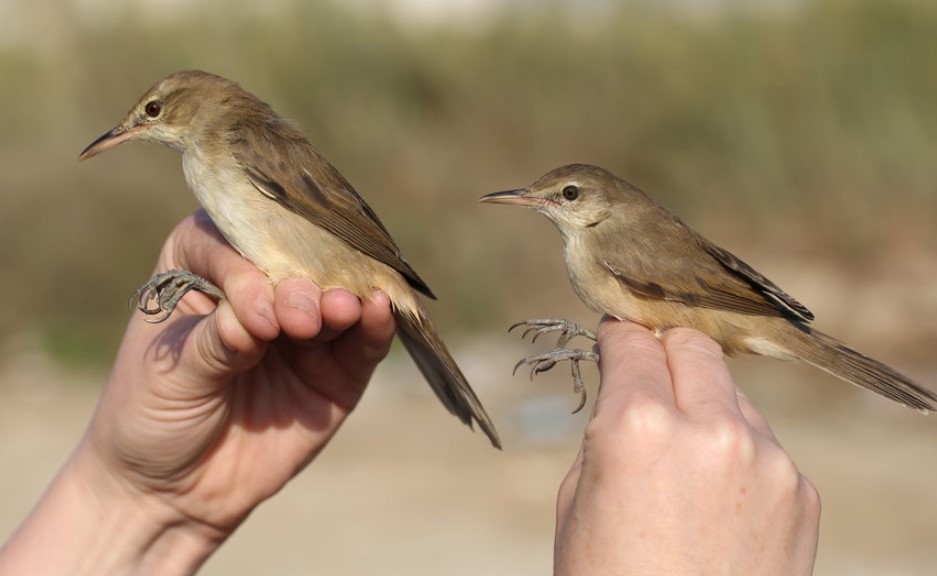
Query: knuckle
(644, 417)
(732, 440)
(810, 497)
(567, 489)
(227, 348)
(783, 470)
(215, 349)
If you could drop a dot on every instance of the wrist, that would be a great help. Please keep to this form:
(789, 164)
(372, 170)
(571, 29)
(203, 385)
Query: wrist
(90, 521)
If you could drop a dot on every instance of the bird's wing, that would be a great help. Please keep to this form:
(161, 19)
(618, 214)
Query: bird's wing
(767, 288)
(687, 268)
(283, 166)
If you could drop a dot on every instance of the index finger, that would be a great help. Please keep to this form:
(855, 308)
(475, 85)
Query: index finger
(633, 366)
(197, 246)
(701, 381)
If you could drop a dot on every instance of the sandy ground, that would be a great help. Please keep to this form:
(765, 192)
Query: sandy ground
(404, 489)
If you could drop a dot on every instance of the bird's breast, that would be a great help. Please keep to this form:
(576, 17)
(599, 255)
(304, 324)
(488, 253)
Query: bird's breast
(281, 242)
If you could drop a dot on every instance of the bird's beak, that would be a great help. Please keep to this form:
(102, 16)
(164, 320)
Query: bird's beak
(115, 137)
(516, 197)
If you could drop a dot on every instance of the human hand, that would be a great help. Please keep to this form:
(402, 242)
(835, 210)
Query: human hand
(204, 416)
(678, 473)
(216, 409)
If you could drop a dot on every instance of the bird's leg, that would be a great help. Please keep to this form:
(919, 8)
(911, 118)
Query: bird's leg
(166, 289)
(543, 362)
(567, 329)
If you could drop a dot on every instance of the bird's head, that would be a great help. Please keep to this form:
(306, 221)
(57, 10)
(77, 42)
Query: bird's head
(175, 112)
(575, 197)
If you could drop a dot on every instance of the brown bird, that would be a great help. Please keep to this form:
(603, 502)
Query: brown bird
(285, 208)
(631, 258)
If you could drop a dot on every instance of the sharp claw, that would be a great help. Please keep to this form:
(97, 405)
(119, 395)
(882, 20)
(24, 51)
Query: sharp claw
(529, 360)
(578, 385)
(161, 317)
(166, 290)
(543, 362)
(518, 365)
(516, 324)
(145, 299)
(540, 326)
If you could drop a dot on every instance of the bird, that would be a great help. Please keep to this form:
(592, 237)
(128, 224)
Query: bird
(631, 258)
(285, 208)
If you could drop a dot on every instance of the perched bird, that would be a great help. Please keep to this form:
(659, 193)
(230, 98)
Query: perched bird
(629, 257)
(285, 208)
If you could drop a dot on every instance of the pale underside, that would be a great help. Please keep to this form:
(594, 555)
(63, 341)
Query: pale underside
(282, 243)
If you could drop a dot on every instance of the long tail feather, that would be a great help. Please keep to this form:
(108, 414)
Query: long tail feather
(443, 374)
(833, 356)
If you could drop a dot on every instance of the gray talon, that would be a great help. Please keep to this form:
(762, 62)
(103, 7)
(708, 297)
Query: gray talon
(166, 289)
(567, 329)
(578, 386)
(543, 362)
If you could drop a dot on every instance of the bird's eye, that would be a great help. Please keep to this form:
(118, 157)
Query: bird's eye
(153, 108)
(571, 192)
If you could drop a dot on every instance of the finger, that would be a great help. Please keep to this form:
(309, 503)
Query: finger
(359, 349)
(297, 303)
(304, 312)
(340, 311)
(213, 348)
(633, 367)
(368, 342)
(197, 246)
(702, 384)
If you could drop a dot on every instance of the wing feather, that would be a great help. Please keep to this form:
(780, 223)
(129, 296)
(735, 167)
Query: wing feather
(687, 268)
(284, 167)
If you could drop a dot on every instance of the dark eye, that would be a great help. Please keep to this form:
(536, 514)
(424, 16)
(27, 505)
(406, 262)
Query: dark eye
(153, 108)
(571, 192)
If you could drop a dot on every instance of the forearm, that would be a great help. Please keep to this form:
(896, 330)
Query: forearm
(88, 523)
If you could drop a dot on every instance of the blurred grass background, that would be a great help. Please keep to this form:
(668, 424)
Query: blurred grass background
(806, 130)
(802, 136)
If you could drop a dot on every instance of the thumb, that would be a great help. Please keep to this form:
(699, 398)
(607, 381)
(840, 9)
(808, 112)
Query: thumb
(217, 348)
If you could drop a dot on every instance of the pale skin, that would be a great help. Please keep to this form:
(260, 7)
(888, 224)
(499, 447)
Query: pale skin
(203, 418)
(210, 413)
(678, 473)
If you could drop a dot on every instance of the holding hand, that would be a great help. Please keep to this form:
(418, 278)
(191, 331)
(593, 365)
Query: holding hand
(205, 415)
(678, 473)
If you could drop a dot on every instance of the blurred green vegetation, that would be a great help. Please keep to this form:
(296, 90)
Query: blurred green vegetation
(802, 131)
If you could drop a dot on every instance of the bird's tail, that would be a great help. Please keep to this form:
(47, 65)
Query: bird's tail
(833, 356)
(440, 370)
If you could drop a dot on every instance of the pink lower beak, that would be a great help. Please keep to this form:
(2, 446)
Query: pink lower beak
(515, 197)
(115, 137)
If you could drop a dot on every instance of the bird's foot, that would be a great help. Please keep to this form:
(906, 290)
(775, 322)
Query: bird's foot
(160, 295)
(543, 362)
(567, 329)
